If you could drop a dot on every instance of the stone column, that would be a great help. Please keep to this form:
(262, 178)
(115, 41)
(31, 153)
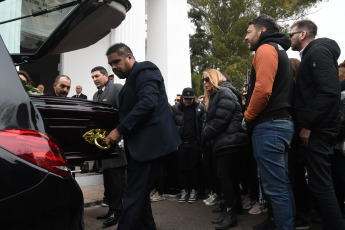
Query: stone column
(168, 43)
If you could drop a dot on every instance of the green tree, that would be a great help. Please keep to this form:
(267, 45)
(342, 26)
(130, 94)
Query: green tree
(200, 52)
(220, 28)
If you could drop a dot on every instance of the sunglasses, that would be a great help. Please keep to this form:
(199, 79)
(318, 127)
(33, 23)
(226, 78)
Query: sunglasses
(178, 100)
(292, 34)
(207, 79)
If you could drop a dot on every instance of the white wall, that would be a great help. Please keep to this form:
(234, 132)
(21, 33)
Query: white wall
(168, 43)
(78, 64)
(167, 46)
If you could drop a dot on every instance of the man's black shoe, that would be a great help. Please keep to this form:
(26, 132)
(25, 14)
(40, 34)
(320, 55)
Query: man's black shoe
(112, 220)
(301, 223)
(105, 215)
(217, 210)
(220, 218)
(229, 221)
(220, 208)
(268, 224)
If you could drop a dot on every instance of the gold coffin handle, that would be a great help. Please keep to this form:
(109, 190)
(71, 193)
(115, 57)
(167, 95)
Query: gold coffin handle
(97, 137)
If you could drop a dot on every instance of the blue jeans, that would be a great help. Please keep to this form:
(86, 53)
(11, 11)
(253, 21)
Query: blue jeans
(271, 140)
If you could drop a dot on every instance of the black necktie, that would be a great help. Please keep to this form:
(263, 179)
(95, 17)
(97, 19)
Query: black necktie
(99, 94)
(77, 95)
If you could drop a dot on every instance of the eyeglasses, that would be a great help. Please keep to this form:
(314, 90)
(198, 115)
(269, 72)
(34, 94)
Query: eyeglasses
(292, 34)
(207, 79)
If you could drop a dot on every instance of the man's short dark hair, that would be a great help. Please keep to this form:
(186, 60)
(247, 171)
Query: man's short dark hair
(101, 69)
(308, 26)
(264, 21)
(60, 76)
(120, 49)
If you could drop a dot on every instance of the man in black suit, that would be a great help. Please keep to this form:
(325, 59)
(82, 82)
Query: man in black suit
(114, 169)
(148, 131)
(78, 90)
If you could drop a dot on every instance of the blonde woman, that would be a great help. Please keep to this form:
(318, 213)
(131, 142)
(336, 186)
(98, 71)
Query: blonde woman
(223, 131)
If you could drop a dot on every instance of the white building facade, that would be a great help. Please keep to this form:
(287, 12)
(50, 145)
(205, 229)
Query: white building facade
(156, 31)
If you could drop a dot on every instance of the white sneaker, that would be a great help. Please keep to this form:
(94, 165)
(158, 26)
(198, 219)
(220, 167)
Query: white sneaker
(256, 209)
(212, 200)
(209, 195)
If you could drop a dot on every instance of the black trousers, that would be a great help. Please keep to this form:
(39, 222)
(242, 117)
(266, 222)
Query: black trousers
(137, 212)
(338, 165)
(228, 161)
(248, 175)
(188, 158)
(320, 181)
(297, 169)
(114, 186)
(209, 164)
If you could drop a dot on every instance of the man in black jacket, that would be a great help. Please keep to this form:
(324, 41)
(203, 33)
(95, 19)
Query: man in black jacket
(148, 130)
(316, 107)
(189, 118)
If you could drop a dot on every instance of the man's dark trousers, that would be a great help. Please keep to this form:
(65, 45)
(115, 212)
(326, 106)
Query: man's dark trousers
(137, 213)
(320, 181)
(113, 176)
(188, 157)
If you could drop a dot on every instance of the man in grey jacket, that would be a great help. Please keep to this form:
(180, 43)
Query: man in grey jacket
(114, 169)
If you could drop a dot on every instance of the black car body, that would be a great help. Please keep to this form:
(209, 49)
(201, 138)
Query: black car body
(40, 136)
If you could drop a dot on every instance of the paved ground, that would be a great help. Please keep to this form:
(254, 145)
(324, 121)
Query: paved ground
(168, 214)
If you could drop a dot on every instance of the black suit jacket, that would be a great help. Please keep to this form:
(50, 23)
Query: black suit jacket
(145, 118)
(82, 96)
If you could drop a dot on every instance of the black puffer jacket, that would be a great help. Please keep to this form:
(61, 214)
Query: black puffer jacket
(178, 117)
(223, 120)
(317, 95)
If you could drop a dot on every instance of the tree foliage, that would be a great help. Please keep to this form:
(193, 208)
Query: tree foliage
(220, 28)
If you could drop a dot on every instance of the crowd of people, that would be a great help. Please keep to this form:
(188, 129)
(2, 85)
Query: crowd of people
(273, 148)
(277, 147)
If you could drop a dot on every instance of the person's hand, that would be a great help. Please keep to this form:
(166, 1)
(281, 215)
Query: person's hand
(304, 135)
(113, 137)
(244, 124)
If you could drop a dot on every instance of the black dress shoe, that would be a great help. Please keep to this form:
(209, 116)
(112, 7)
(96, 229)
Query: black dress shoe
(112, 220)
(220, 218)
(105, 215)
(229, 221)
(220, 208)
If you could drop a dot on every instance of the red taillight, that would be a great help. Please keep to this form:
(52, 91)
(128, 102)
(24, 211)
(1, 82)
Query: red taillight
(35, 147)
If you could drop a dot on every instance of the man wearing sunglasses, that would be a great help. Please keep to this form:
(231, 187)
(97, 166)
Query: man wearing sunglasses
(189, 118)
(316, 110)
(177, 99)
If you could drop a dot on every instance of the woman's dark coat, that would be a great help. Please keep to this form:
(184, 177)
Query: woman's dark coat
(223, 120)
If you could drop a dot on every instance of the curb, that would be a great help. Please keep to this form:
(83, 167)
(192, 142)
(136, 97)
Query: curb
(91, 203)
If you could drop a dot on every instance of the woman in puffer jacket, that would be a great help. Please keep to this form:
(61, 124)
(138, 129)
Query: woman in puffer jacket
(223, 131)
